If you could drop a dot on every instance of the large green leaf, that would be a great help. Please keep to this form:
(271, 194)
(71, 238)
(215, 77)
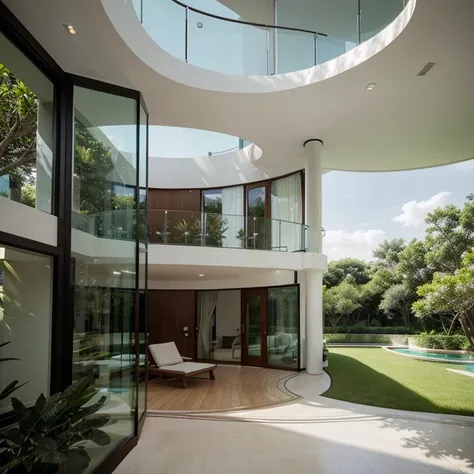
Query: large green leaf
(47, 452)
(97, 436)
(12, 434)
(77, 461)
(52, 411)
(10, 388)
(86, 411)
(89, 423)
(76, 390)
(18, 409)
(86, 397)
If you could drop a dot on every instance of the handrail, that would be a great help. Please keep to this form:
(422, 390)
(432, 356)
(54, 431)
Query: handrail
(225, 215)
(260, 25)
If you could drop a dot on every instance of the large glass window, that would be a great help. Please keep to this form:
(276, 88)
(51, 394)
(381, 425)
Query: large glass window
(282, 327)
(104, 249)
(287, 214)
(25, 323)
(26, 130)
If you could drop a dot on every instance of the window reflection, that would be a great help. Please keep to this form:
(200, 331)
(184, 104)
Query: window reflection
(26, 130)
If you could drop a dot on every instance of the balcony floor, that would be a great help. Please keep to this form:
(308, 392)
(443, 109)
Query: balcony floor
(235, 387)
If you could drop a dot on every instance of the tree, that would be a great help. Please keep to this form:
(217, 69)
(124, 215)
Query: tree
(449, 235)
(451, 294)
(339, 302)
(412, 268)
(397, 300)
(388, 253)
(92, 163)
(338, 270)
(18, 122)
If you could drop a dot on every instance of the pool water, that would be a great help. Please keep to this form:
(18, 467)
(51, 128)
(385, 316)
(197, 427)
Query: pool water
(440, 356)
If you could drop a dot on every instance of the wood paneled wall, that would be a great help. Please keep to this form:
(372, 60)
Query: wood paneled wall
(174, 201)
(169, 312)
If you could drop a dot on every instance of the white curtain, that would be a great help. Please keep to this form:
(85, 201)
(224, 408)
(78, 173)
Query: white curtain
(287, 208)
(206, 306)
(232, 210)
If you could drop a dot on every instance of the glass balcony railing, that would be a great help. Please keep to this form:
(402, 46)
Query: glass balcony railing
(225, 231)
(233, 46)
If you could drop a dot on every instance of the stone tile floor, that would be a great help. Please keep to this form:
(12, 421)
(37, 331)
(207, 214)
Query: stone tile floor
(311, 435)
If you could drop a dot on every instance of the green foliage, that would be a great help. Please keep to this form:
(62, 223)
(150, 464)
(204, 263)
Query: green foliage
(398, 299)
(357, 339)
(28, 195)
(451, 294)
(338, 270)
(12, 386)
(363, 329)
(449, 235)
(388, 253)
(49, 438)
(191, 231)
(412, 268)
(457, 342)
(325, 351)
(18, 115)
(340, 301)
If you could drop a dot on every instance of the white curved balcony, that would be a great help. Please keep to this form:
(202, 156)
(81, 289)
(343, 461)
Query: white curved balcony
(219, 40)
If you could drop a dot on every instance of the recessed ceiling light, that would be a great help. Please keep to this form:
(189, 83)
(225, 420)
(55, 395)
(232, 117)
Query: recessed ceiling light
(371, 86)
(70, 29)
(278, 271)
(116, 273)
(201, 274)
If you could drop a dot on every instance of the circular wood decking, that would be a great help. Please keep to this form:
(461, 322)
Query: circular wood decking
(235, 387)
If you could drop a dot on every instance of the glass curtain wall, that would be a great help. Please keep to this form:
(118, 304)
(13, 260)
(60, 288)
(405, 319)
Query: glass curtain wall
(283, 327)
(25, 324)
(287, 209)
(108, 246)
(26, 130)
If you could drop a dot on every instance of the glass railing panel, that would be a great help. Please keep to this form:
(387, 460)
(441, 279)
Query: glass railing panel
(226, 46)
(225, 231)
(376, 15)
(330, 47)
(165, 22)
(295, 50)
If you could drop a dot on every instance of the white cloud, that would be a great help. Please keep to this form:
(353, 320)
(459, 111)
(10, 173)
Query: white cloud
(359, 244)
(414, 213)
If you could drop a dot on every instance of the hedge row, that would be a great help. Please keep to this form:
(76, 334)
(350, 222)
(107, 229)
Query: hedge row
(357, 339)
(432, 341)
(359, 329)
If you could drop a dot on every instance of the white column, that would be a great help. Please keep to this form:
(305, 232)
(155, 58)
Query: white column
(314, 278)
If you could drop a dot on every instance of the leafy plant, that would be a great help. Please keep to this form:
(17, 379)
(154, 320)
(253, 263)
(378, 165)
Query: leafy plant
(441, 341)
(49, 438)
(13, 386)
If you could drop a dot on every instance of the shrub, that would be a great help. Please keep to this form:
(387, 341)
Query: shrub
(456, 342)
(362, 329)
(357, 339)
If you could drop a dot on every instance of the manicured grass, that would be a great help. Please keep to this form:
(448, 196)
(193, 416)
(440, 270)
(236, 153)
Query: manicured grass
(373, 376)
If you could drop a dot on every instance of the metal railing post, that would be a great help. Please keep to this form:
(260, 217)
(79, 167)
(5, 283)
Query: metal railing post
(268, 51)
(186, 36)
(141, 11)
(165, 229)
(279, 236)
(315, 46)
(359, 15)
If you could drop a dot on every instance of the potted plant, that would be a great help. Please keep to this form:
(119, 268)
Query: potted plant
(49, 438)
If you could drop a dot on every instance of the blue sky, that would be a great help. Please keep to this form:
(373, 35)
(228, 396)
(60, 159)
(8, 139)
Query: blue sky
(360, 210)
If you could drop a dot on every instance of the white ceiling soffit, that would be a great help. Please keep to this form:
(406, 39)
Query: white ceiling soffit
(407, 122)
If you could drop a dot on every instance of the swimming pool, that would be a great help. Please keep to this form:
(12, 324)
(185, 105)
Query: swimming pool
(440, 357)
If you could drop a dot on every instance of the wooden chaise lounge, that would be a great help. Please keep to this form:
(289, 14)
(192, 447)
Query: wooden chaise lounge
(170, 363)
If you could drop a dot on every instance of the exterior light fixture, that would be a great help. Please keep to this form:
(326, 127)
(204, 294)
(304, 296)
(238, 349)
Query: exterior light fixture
(371, 86)
(117, 273)
(199, 24)
(278, 271)
(201, 274)
(70, 29)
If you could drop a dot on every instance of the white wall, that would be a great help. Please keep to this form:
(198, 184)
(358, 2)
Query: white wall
(228, 314)
(26, 323)
(245, 281)
(28, 222)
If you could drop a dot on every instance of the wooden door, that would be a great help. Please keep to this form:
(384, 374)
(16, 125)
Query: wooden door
(253, 326)
(172, 317)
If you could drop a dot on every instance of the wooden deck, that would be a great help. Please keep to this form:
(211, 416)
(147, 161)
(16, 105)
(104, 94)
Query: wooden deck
(235, 387)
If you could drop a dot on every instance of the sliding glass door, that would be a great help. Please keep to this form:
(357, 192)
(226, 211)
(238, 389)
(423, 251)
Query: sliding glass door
(254, 308)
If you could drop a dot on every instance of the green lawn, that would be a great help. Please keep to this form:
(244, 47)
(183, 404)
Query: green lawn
(373, 376)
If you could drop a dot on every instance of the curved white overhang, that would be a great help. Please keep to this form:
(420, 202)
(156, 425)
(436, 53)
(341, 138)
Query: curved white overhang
(407, 122)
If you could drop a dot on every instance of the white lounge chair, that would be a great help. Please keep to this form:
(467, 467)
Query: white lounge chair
(169, 362)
